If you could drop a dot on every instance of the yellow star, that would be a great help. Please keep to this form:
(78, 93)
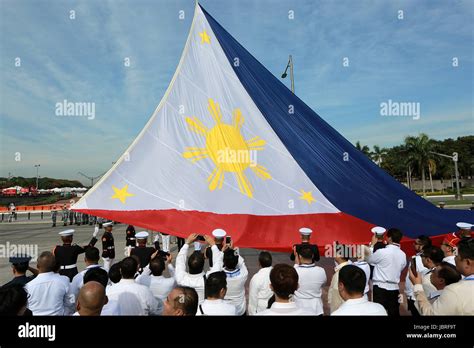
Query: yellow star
(307, 196)
(122, 193)
(205, 38)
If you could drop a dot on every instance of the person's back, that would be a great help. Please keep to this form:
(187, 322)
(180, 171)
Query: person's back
(284, 282)
(195, 278)
(153, 278)
(351, 284)
(48, 293)
(311, 280)
(237, 273)
(389, 264)
(259, 287)
(359, 306)
(133, 298)
(215, 291)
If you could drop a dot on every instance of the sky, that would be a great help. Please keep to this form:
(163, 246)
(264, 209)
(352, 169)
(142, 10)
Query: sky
(423, 54)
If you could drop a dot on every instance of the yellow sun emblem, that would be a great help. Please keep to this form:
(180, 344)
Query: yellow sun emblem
(227, 148)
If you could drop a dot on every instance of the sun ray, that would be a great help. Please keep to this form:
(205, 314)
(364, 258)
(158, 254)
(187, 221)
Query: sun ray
(216, 178)
(256, 143)
(215, 111)
(195, 153)
(226, 146)
(261, 172)
(238, 119)
(196, 125)
(244, 184)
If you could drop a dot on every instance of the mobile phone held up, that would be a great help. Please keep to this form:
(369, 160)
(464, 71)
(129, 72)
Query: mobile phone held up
(228, 240)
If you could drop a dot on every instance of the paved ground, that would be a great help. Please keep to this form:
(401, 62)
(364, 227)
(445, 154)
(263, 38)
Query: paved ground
(39, 234)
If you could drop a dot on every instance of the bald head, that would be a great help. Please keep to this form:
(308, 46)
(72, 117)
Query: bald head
(91, 299)
(46, 262)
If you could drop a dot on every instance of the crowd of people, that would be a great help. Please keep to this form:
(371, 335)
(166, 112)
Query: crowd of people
(439, 280)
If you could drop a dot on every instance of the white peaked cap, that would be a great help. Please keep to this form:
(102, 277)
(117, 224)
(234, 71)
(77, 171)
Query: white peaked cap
(464, 225)
(378, 230)
(305, 231)
(66, 233)
(219, 233)
(142, 235)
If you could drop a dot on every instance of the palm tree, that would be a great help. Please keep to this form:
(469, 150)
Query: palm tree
(418, 154)
(431, 171)
(364, 149)
(378, 154)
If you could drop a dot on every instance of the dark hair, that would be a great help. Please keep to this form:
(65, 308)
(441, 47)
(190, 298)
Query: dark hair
(196, 262)
(188, 300)
(466, 248)
(265, 259)
(214, 284)
(434, 253)
(343, 251)
(21, 267)
(114, 273)
(353, 278)
(231, 259)
(128, 267)
(92, 254)
(12, 298)
(284, 280)
(47, 261)
(305, 251)
(395, 234)
(449, 273)
(96, 274)
(425, 240)
(157, 266)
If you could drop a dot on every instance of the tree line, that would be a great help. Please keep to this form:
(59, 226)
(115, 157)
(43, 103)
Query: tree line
(417, 158)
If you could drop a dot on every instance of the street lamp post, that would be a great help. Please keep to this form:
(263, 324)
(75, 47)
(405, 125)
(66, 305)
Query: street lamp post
(454, 158)
(285, 73)
(37, 175)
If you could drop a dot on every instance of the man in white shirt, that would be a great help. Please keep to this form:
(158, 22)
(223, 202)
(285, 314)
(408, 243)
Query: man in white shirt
(234, 267)
(91, 299)
(419, 244)
(99, 275)
(284, 283)
(341, 259)
(456, 298)
(259, 288)
(311, 280)
(195, 278)
(153, 278)
(48, 293)
(214, 304)
(91, 259)
(431, 257)
(351, 285)
(388, 263)
(133, 298)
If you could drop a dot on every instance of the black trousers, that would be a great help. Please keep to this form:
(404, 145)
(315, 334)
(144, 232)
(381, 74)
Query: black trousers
(412, 308)
(388, 299)
(69, 272)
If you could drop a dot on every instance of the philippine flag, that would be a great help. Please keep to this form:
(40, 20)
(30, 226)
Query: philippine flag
(229, 146)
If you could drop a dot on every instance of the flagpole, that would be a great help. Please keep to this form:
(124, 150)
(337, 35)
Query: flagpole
(285, 73)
